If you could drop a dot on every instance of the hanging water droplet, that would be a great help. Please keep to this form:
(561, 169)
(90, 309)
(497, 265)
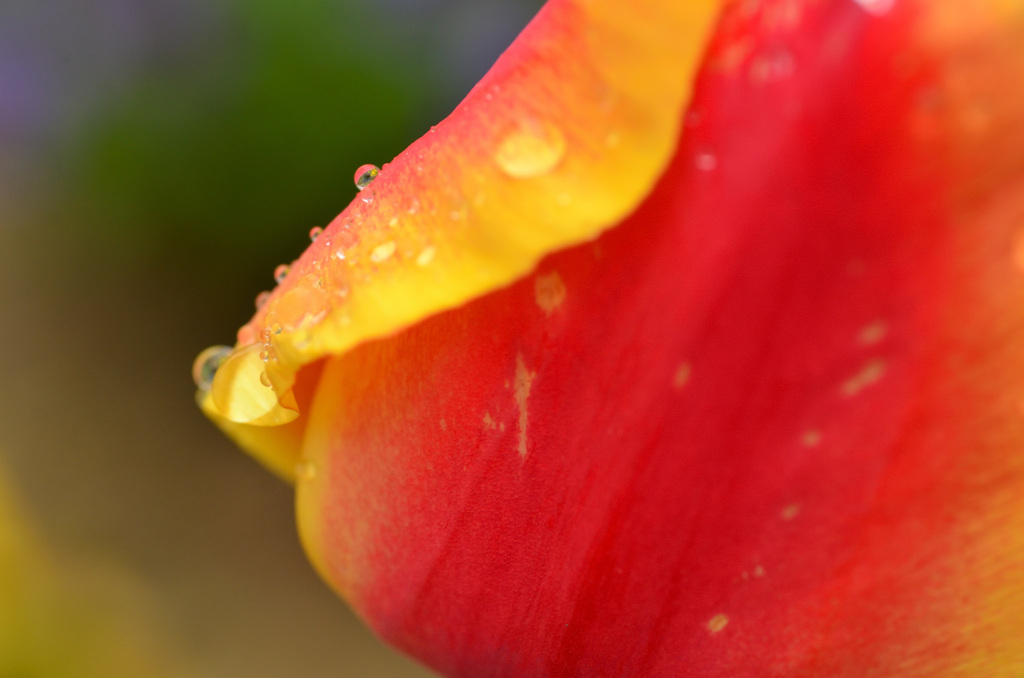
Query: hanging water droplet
(533, 149)
(314, 233)
(205, 366)
(365, 175)
(261, 300)
(281, 272)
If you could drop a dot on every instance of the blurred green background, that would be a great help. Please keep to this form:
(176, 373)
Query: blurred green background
(157, 159)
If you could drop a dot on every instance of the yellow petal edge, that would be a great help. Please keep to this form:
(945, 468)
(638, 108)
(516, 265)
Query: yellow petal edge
(563, 138)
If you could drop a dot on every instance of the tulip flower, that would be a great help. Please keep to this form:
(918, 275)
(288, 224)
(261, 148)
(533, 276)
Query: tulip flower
(690, 344)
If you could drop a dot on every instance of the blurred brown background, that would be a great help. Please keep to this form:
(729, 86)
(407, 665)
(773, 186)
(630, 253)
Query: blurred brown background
(157, 159)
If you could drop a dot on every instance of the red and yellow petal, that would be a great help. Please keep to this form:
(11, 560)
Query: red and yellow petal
(562, 139)
(772, 424)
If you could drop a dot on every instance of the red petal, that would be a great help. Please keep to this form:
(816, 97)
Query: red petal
(770, 425)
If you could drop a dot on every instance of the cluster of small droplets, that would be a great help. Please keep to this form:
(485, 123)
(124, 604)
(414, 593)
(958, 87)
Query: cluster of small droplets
(281, 272)
(365, 175)
(268, 353)
(314, 233)
(204, 369)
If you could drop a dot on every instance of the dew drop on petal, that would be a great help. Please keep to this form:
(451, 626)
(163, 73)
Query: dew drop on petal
(383, 252)
(774, 66)
(314, 233)
(275, 328)
(365, 175)
(261, 300)
(265, 380)
(705, 161)
(531, 150)
(717, 623)
(426, 256)
(281, 272)
(876, 7)
(205, 366)
(305, 470)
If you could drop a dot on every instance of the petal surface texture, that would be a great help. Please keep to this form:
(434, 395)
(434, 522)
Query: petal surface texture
(561, 140)
(770, 425)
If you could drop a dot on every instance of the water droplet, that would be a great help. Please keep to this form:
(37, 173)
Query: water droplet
(265, 355)
(281, 272)
(383, 252)
(314, 233)
(261, 300)
(305, 470)
(265, 380)
(275, 328)
(367, 197)
(772, 67)
(535, 148)
(205, 366)
(706, 162)
(365, 175)
(305, 338)
(717, 623)
(426, 256)
(876, 7)
(811, 438)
